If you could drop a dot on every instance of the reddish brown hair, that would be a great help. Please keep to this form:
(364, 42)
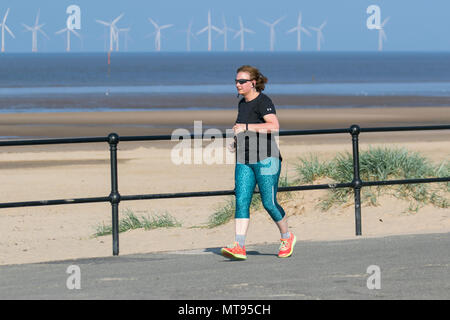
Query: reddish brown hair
(256, 75)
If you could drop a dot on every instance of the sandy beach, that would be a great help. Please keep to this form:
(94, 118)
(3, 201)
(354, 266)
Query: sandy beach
(60, 232)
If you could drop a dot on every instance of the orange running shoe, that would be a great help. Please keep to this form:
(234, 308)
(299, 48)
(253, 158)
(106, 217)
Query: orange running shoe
(287, 246)
(234, 252)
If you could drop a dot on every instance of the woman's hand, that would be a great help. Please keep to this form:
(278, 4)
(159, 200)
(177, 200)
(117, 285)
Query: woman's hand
(232, 147)
(239, 127)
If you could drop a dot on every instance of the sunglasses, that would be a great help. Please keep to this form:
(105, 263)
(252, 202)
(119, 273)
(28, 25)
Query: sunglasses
(241, 81)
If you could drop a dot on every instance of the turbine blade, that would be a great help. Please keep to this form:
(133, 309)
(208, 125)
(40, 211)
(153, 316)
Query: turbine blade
(166, 26)
(217, 29)
(248, 30)
(6, 15)
(241, 23)
(117, 19)
(278, 21)
(292, 30)
(237, 34)
(27, 27)
(44, 33)
(153, 23)
(75, 33)
(190, 24)
(203, 30)
(103, 22)
(305, 31)
(115, 34)
(385, 21)
(265, 22)
(61, 31)
(9, 31)
(37, 17)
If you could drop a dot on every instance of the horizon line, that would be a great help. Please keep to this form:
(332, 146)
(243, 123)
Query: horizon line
(230, 51)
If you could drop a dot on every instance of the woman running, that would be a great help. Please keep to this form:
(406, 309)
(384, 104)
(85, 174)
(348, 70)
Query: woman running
(258, 161)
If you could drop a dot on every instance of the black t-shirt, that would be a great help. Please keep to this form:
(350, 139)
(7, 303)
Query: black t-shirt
(255, 146)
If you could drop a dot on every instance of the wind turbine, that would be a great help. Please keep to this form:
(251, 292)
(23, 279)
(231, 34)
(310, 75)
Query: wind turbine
(241, 32)
(4, 26)
(34, 31)
(225, 31)
(320, 37)
(382, 34)
(189, 34)
(158, 33)
(68, 31)
(124, 30)
(208, 28)
(272, 31)
(113, 33)
(299, 30)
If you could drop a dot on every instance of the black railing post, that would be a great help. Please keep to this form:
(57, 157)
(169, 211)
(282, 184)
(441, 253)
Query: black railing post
(114, 197)
(356, 183)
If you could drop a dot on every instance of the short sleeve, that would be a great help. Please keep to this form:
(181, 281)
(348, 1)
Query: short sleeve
(239, 115)
(266, 106)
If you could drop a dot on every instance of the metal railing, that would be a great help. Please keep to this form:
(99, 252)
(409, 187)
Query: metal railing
(115, 197)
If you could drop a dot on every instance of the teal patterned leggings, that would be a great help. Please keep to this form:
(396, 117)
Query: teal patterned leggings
(266, 173)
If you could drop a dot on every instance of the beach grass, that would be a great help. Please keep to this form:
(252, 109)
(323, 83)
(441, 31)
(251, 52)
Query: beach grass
(131, 221)
(376, 164)
(223, 214)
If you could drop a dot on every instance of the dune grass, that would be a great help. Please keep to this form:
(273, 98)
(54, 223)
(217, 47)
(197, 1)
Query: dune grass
(132, 221)
(222, 215)
(379, 163)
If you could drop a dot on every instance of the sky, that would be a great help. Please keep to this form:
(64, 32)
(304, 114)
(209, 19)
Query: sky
(414, 25)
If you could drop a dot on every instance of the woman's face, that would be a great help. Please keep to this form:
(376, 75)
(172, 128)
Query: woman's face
(244, 88)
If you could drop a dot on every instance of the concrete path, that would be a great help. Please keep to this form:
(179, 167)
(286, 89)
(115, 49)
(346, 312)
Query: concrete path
(397, 267)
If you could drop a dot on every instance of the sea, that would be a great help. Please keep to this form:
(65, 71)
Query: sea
(77, 75)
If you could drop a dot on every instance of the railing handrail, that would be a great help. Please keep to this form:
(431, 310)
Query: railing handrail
(74, 140)
(114, 197)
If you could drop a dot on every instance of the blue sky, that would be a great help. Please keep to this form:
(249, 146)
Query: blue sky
(414, 25)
